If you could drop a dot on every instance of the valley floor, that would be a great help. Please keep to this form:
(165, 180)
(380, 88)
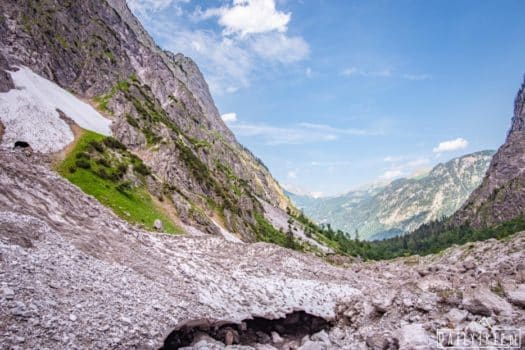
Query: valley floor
(75, 276)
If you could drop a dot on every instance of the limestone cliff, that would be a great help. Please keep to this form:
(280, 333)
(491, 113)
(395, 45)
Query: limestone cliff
(501, 195)
(159, 104)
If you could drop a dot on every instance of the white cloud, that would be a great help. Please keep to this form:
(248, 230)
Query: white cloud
(403, 165)
(353, 71)
(392, 174)
(417, 77)
(300, 191)
(229, 117)
(384, 73)
(253, 36)
(272, 135)
(250, 17)
(292, 174)
(343, 131)
(147, 7)
(279, 47)
(226, 63)
(350, 71)
(308, 72)
(301, 133)
(451, 145)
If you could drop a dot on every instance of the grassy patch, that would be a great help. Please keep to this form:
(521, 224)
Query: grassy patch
(97, 174)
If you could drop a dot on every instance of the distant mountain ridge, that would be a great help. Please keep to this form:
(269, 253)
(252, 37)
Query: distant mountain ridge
(380, 212)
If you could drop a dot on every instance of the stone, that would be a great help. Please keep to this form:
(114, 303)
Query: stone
(515, 294)
(456, 316)
(73, 317)
(8, 293)
(377, 341)
(264, 347)
(276, 338)
(469, 264)
(311, 345)
(157, 224)
(321, 336)
(481, 301)
(474, 328)
(413, 337)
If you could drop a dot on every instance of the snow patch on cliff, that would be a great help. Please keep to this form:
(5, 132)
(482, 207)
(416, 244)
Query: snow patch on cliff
(29, 113)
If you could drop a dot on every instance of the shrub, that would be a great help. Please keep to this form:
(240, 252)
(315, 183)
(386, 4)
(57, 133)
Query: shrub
(112, 142)
(142, 169)
(123, 187)
(103, 174)
(83, 163)
(84, 155)
(121, 170)
(98, 146)
(103, 162)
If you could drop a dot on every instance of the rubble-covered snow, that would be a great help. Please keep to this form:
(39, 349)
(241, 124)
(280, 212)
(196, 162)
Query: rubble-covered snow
(29, 113)
(73, 275)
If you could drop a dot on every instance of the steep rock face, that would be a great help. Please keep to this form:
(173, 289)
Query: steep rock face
(159, 102)
(404, 204)
(501, 195)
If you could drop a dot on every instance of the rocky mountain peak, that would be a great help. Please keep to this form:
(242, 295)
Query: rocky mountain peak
(501, 195)
(159, 104)
(518, 120)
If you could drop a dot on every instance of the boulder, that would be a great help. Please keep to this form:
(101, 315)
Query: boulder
(456, 316)
(276, 338)
(377, 341)
(157, 224)
(481, 301)
(413, 337)
(516, 294)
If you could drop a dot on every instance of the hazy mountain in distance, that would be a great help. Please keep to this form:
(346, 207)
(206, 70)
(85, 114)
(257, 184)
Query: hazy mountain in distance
(383, 211)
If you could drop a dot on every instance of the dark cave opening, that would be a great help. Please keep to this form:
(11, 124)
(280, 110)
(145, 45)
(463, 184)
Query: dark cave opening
(294, 326)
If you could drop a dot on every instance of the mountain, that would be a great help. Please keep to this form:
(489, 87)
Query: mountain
(173, 153)
(75, 276)
(105, 138)
(501, 195)
(380, 212)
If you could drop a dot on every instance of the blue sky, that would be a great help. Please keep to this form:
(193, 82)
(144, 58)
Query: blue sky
(335, 94)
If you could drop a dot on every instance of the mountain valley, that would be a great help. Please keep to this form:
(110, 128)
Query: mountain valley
(132, 218)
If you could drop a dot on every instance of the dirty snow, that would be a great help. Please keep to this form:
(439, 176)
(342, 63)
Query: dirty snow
(227, 234)
(29, 113)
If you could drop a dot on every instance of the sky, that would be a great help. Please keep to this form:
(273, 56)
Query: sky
(336, 94)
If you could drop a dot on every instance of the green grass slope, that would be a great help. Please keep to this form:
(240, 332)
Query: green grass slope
(100, 166)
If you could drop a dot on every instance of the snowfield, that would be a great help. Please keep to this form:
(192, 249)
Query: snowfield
(29, 113)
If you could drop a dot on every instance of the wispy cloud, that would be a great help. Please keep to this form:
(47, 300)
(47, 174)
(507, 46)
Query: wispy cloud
(343, 131)
(392, 174)
(272, 135)
(292, 174)
(146, 8)
(251, 36)
(300, 133)
(451, 145)
(417, 77)
(382, 73)
(308, 72)
(400, 166)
